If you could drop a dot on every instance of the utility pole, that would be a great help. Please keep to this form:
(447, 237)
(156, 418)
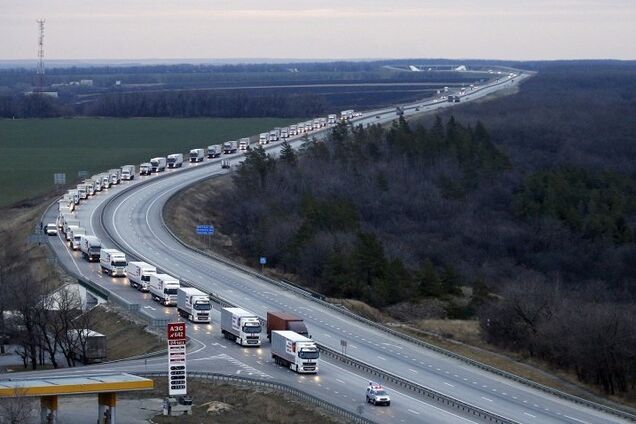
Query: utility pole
(40, 67)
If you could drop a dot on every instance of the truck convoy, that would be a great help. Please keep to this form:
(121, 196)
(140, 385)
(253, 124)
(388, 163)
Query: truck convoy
(158, 164)
(294, 351)
(244, 144)
(241, 326)
(230, 147)
(193, 304)
(346, 114)
(128, 172)
(113, 262)
(90, 247)
(175, 160)
(214, 151)
(282, 321)
(163, 289)
(197, 155)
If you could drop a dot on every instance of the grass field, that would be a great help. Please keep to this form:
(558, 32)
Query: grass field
(33, 150)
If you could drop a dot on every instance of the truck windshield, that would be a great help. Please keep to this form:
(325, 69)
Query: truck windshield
(171, 160)
(308, 354)
(145, 278)
(170, 291)
(252, 329)
(202, 306)
(119, 263)
(194, 155)
(94, 250)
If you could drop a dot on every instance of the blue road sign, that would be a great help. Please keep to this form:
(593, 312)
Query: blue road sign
(206, 230)
(262, 260)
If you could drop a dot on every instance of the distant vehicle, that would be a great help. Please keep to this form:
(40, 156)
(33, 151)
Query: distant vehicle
(75, 195)
(145, 169)
(377, 395)
(158, 164)
(90, 247)
(197, 155)
(193, 304)
(97, 181)
(51, 229)
(230, 147)
(175, 160)
(323, 122)
(214, 151)
(113, 262)
(106, 180)
(128, 172)
(225, 164)
(263, 139)
(316, 124)
(293, 130)
(69, 223)
(284, 132)
(377, 117)
(90, 187)
(115, 175)
(283, 321)
(332, 118)
(69, 233)
(241, 326)
(163, 288)
(300, 128)
(308, 126)
(244, 144)
(399, 111)
(138, 274)
(296, 352)
(81, 191)
(346, 114)
(274, 135)
(63, 216)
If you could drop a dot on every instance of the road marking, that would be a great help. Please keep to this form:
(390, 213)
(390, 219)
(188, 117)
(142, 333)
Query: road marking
(380, 357)
(412, 370)
(448, 384)
(530, 415)
(413, 412)
(575, 419)
(485, 398)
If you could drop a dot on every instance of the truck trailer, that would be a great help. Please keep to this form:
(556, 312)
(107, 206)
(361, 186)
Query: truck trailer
(197, 155)
(214, 151)
(175, 160)
(145, 169)
(163, 289)
(241, 326)
(244, 143)
(128, 172)
(263, 139)
(294, 351)
(88, 346)
(138, 274)
(283, 321)
(193, 304)
(230, 147)
(158, 164)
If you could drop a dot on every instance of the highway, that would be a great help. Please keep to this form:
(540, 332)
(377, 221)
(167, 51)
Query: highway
(129, 216)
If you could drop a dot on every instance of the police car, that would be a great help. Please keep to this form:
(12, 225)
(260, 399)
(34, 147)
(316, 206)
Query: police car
(377, 395)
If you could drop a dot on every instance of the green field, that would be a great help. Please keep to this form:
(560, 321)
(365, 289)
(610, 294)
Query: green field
(33, 150)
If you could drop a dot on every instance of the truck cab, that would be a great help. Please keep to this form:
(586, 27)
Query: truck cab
(263, 139)
(294, 351)
(214, 151)
(163, 289)
(241, 326)
(113, 262)
(193, 304)
(197, 155)
(145, 168)
(175, 160)
(139, 275)
(244, 144)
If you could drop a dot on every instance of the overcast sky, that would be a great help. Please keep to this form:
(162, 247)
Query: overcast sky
(145, 29)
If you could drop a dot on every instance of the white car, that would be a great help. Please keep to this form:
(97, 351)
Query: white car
(51, 229)
(377, 395)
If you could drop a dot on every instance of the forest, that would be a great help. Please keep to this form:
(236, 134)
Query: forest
(529, 200)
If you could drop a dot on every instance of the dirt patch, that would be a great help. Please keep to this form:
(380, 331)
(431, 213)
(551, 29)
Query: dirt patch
(124, 337)
(222, 404)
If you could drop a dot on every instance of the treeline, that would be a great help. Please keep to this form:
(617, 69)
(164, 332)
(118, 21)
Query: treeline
(414, 213)
(31, 106)
(205, 104)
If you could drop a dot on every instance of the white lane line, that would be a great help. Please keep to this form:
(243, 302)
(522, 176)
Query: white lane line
(412, 370)
(448, 384)
(413, 412)
(485, 398)
(530, 415)
(576, 419)
(380, 357)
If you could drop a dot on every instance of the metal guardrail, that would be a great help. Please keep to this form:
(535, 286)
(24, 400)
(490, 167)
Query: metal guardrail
(622, 413)
(280, 387)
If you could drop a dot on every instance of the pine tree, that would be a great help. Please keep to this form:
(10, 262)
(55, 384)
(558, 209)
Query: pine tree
(287, 154)
(429, 283)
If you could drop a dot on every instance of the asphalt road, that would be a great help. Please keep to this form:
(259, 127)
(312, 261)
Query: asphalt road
(133, 220)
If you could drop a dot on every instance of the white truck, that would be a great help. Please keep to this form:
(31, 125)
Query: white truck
(346, 114)
(75, 195)
(284, 132)
(158, 164)
(263, 139)
(294, 351)
(230, 147)
(106, 180)
(293, 130)
(128, 172)
(332, 119)
(274, 135)
(244, 143)
(145, 169)
(113, 262)
(69, 223)
(214, 151)
(241, 326)
(115, 175)
(197, 155)
(139, 275)
(76, 235)
(64, 215)
(82, 192)
(323, 122)
(175, 160)
(90, 247)
(316, 124)
(308, 126)
(90, 187)
(68, 235)
(193, 304)
(163, 289)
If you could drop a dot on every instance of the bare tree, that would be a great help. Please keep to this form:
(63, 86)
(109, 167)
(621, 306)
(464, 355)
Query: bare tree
(17, 409)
